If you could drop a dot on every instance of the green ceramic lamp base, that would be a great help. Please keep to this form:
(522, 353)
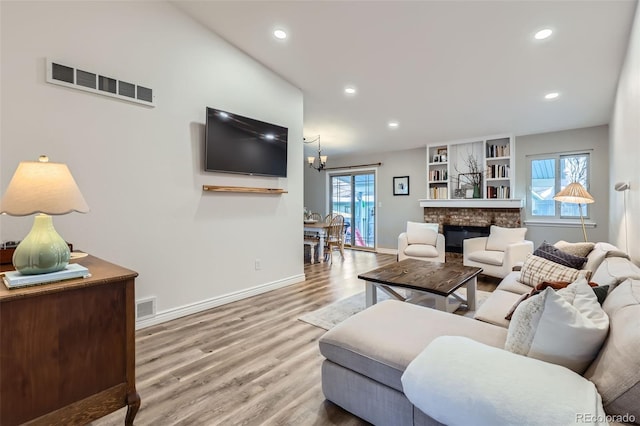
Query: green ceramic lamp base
(43, 250)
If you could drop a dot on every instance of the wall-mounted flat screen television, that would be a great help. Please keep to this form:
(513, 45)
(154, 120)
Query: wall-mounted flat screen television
(237, 144)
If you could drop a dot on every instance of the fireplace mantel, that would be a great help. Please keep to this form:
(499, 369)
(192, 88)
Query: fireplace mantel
(471, 203)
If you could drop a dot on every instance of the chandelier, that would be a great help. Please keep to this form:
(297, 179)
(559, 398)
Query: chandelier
(322, 159)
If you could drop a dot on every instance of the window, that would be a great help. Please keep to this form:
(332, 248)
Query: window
(549, 174)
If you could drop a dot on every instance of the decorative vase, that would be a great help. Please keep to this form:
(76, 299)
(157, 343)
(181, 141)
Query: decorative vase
(476, 191)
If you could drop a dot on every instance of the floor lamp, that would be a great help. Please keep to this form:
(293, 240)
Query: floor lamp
(575, 193)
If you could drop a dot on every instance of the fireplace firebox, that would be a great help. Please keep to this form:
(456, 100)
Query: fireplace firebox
(454, 235)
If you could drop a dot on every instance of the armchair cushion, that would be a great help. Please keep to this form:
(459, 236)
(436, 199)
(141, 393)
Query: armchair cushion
(566, 327)
(549, 252)
(500, 238)
(489, 257)
(421, 250)
(422, 233)
(536, 270)
(455, 379)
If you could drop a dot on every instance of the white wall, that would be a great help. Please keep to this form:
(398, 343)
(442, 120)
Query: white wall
(624, 151)
(595, 141)
(397, 210)
(392, 212)
(140, 168)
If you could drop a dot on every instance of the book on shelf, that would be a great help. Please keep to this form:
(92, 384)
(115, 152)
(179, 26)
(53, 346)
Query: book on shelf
(498, 192)
(439, 193)
(494, 151)
(498, 171)
(14, 279)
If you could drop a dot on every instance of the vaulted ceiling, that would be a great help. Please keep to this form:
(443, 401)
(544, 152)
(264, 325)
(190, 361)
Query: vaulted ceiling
(443, 70)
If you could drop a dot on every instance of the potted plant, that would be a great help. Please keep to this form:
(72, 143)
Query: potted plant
(473, 176)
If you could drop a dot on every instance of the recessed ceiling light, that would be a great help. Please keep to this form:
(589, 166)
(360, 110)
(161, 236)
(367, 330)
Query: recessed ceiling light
(552, 95)
(350, 90)
(542, 34)
(393, 124)
(280, 34)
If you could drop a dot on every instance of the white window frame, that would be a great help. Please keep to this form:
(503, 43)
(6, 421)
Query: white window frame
(557, 217)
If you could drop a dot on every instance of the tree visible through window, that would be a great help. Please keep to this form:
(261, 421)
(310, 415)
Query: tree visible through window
(549, 175)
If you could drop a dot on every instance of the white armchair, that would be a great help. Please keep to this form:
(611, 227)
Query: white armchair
(421, 241)
(498, 253)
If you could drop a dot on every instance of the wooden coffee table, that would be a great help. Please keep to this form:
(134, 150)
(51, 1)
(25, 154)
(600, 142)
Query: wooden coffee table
(440, 280)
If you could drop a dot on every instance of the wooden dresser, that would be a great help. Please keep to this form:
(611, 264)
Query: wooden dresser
(67, 349)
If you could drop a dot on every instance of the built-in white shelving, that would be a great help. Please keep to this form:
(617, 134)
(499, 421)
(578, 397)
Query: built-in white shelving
(449, 171)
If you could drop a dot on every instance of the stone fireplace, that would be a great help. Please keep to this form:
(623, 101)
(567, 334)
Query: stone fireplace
(473, 213)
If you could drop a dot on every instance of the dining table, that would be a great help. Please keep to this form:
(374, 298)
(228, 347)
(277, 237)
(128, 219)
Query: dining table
(322, 229)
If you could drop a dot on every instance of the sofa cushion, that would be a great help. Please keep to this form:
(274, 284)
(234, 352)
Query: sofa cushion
(566, 327)
(487, 256)
(511, 283)
(576, 249)
(458, 381)
(616, 370)
(549, 252)
(421, 250)
(536, 270)
(495, 308)
(597, 255)
(422, 233)
(614, 270)
(382, 340)
(500, 238)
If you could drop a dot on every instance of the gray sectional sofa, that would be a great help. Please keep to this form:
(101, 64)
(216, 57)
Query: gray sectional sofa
(367, 354)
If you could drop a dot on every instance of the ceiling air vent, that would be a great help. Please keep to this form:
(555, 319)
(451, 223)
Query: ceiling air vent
(88, 81)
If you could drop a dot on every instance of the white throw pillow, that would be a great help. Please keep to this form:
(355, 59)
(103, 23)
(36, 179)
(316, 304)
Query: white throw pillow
(458, 381)
(500, 238)
(422, 233)
(566, 327)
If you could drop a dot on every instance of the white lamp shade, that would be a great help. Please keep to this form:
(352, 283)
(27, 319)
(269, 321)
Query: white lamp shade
(574, 193)
(42, 187)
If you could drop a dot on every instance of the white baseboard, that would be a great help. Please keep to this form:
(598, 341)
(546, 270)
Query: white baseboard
(196, 307)
(387, 250)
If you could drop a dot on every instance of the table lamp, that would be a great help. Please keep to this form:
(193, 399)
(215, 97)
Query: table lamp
(575, 193)
(47, 189)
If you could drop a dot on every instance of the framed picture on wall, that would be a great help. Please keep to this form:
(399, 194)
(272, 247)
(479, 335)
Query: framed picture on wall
(401, 185)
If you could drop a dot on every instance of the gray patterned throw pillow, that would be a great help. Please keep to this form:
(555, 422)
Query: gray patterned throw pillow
(549, 252)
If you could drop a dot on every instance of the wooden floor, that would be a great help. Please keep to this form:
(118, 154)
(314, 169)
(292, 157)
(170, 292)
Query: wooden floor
(250, 362)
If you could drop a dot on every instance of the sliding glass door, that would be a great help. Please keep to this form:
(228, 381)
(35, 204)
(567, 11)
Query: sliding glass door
(353, 196)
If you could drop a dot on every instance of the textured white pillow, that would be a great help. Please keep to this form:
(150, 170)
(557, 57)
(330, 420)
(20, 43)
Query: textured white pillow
(566, 327)
(422, 233)
(458, 381)
(500, 238)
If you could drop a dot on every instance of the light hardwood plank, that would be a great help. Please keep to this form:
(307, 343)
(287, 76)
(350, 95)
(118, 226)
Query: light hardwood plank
(250, 362)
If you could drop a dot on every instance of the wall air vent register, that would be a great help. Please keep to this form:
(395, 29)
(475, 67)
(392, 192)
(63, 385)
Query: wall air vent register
(89, 81)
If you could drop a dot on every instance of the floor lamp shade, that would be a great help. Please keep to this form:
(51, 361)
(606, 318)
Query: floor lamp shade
(575, 193)
(45, 189)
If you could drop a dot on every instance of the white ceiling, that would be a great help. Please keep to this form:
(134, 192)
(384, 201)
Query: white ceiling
(445, 70)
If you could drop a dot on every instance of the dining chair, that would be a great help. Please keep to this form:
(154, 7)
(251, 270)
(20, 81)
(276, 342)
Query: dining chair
(335, 238)
(315, 216)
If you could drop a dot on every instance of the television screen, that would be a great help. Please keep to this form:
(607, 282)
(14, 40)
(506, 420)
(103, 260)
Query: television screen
(237, 144)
